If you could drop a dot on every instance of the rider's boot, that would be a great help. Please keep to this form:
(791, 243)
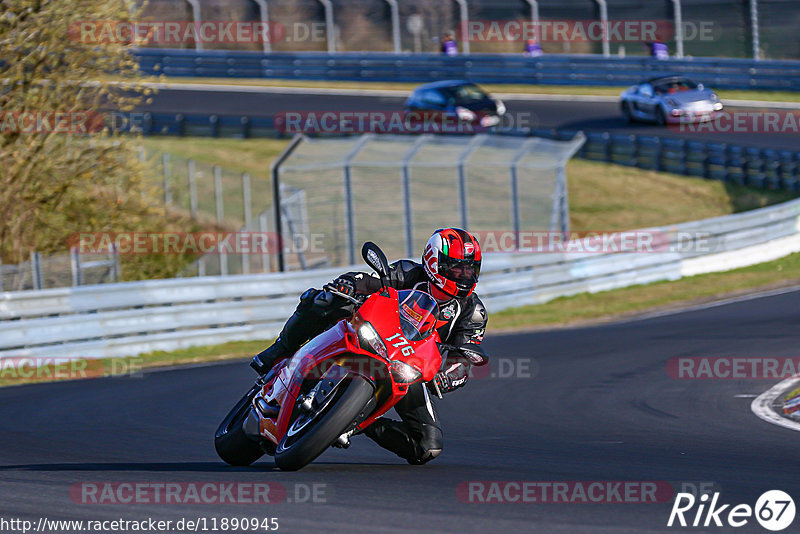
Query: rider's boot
(297, 330)
(396, 436)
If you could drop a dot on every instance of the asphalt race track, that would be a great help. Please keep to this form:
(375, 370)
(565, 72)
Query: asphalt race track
(601, 406)
(587, 116)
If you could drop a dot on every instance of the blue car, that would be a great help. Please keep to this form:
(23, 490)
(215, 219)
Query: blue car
(457, 100)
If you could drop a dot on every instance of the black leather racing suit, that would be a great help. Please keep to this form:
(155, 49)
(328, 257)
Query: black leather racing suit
(418, 437)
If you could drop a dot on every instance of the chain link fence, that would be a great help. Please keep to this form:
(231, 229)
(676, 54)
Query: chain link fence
(396, 190)
(336, 193)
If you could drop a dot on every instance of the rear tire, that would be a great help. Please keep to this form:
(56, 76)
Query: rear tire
(322, 432)
(232, 444)
(661, 117)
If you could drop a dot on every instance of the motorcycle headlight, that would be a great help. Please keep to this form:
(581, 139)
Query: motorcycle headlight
(718, 106)
(404, 373)
(368, 338)
(464, 114)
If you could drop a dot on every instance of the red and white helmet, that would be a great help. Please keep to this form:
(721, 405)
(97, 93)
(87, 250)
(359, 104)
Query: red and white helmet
(452, 259)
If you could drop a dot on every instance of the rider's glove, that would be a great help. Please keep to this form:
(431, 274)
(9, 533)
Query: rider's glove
(344, 284)
(454, 373)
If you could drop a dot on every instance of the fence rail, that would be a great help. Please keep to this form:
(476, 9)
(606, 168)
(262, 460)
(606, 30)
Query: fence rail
(558, 69)
(135, 317)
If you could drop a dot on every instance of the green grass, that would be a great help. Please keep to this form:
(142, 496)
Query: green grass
(602, 196)
(730, 94)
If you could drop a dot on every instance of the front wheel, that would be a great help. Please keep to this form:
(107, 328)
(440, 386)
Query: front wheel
(232, 444)
(311, 433)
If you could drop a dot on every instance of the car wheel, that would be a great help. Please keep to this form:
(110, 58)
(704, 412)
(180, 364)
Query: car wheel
(628, 112)
(661, 117)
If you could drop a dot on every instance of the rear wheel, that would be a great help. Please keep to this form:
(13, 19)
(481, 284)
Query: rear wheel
(661, 117)
(311, 433)
(232, 444)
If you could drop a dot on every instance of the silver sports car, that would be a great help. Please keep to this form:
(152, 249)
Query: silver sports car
(670, 99)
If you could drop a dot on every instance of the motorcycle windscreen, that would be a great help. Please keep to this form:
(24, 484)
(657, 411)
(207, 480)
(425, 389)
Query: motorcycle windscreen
(418, 313)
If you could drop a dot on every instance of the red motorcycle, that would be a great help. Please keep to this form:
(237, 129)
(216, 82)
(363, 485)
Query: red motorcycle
(341, 381)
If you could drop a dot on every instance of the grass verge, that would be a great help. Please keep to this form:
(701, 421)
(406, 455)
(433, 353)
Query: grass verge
(602, 196)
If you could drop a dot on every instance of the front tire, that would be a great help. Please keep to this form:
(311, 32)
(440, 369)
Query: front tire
(232, 444)
(301, 448)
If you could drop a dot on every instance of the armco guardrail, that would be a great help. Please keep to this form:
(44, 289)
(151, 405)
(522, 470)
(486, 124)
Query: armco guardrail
(489, 68)
(131, 318)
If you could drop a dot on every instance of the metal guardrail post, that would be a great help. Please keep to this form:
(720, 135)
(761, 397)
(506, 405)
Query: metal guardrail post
(223, 261)
(116, 268)
(165, 168)
(262, 227)
(246, 198)
(75, 263)
(516, 221)
(535, 16)
(197, 19)
(263, 12)
(407, 210)
(676, 6)
(395, 14)
(563, 206)
(36, 269)
(349, 209)
(754, 29)
(275, 170)
(218, 193)
(330, 28)
(192, 188)
(464, 22)
(604, 21)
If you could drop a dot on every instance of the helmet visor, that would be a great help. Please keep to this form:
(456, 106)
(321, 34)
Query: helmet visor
(462, 272)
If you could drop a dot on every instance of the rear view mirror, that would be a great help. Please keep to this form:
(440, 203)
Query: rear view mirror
(376, 259)
(475, 354)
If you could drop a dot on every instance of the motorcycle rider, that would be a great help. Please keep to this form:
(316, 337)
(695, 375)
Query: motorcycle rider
(449, 271)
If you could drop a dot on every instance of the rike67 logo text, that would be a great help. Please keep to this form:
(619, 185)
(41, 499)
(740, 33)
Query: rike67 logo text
(774, 510)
